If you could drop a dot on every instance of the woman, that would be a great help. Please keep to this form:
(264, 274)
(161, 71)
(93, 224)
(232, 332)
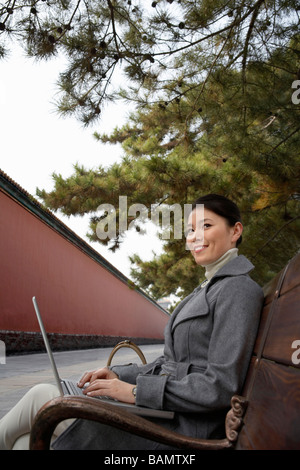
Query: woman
(208, 344)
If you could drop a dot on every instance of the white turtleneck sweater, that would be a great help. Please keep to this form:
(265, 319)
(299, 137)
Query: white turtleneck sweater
(211, 269)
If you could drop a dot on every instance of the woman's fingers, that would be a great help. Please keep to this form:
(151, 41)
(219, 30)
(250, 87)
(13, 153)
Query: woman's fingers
(90, 377)
(103, 373)
(113, 388)
(97, 388)
(85, 378)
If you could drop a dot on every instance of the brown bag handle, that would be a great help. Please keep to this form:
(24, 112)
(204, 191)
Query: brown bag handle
(126, 344)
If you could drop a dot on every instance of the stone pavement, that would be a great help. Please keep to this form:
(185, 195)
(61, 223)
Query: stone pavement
(20, 373)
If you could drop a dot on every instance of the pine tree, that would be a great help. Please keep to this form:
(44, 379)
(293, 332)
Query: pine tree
(212, 83)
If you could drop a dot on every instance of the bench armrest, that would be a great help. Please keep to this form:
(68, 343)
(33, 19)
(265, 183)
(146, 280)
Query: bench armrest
(61, 408)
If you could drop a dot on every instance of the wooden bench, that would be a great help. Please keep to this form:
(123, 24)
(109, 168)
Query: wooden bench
(266, 416)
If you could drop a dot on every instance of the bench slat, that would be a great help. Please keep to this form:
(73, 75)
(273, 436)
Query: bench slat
(291, 280)
(272, 419)
(292, 277)
(284, 330)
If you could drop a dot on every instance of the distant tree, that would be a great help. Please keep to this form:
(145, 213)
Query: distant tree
(217, 110)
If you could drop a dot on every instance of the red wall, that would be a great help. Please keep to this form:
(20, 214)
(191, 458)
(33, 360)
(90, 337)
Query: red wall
(76, 295)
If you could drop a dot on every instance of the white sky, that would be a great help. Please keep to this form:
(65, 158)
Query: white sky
(35, 142)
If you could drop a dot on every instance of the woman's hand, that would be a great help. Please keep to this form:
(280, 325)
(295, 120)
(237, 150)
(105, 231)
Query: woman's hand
(113, 388)
(104, 382)
(103, 373)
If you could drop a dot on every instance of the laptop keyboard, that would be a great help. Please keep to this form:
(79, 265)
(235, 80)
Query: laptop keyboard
(72, 388)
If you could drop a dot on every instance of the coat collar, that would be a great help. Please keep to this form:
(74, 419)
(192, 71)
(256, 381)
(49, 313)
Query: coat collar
(236, 267)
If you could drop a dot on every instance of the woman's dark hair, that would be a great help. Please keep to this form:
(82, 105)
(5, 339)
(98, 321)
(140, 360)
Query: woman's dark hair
(222, 206)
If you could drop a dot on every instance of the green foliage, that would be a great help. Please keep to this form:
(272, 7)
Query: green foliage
(156, 44)
(212, 83)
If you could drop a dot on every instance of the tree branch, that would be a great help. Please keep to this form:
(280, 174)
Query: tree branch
(111, 8)
(282, 142)
(249, 33)
(275, 235)
(215, 33)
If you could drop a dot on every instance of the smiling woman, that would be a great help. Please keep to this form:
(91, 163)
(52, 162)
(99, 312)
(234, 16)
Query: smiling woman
(214, 227)
(208, 345)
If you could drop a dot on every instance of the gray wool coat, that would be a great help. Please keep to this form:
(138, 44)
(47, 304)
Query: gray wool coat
(208, 344)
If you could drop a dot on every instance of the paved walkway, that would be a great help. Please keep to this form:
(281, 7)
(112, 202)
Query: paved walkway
(20, 373)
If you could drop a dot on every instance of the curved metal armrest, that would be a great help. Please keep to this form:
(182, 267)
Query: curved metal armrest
(61, 408)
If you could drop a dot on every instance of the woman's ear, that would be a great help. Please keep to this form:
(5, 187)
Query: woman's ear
(237, 232)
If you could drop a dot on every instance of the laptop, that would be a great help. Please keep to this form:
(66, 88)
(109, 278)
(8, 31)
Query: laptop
(69, 387)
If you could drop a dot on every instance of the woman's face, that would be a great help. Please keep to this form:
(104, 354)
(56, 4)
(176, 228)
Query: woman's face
(209, 236)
